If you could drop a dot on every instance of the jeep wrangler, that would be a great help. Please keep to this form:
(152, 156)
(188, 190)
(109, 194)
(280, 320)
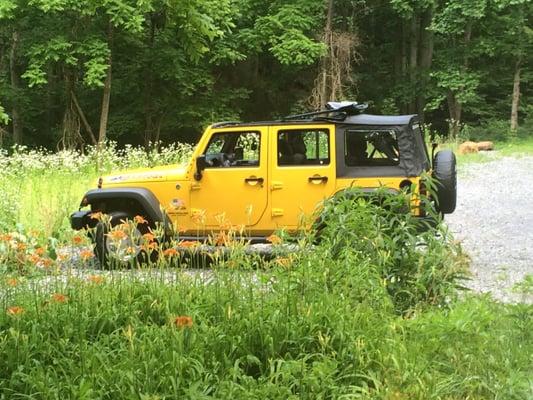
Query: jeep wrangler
(265, 176)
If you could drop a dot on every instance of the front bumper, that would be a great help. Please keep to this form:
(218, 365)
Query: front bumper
(80, 220)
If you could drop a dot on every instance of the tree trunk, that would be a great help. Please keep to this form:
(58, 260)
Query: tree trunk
(455, 110)
(414, 30)
(516, 96)
(86, 124)
(102, 134)
(425, 58)
(15, 115)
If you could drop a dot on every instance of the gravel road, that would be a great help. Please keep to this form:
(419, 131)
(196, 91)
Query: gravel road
(494, 222)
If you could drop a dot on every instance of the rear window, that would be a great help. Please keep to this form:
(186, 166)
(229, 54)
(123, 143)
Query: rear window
(371, 148)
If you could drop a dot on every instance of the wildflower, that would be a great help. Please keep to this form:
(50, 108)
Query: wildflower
(86, 254)
(97, 279)
(284, 261)
(77, 239)
(149, 237)
(46, 262)
(274, 239)
(97, 215)
(131, 250)
(117, 234)
(34, 259)
(187, 244)
(139, 220)
(149, 246)
(40, 251)
(15, 310)
(59, 298)
(183, 321)
(222, 239)
(6, 238)
(12, 282)
(21, 246)
(170, 252)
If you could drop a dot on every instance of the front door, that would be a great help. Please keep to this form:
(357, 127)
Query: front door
(233, 187)
(303, 173)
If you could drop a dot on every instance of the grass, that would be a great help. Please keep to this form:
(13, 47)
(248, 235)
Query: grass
(373, 312)
(514, 148)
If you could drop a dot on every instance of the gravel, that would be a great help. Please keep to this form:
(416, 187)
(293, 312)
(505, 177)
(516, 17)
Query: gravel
(494, 222)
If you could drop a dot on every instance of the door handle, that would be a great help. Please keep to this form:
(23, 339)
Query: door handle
(252, 180)
(318, 179)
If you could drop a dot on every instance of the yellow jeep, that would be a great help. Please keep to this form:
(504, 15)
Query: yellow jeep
(266, 176)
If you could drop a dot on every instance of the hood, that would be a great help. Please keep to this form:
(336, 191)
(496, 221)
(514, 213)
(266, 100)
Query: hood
(156, 174)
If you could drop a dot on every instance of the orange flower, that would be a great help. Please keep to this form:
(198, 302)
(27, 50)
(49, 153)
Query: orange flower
(59, 298)
(15, 310)
(40, 251)
(274, 239)
(97, 279)
(130, 250)
(170, 252)
(187, 244)
(12, 282)
(149, 246)
(97, 215)
(183, 321)
(149, 237)
(284, 261)
(77, 239)
(6, 238)
(86, 254)
(21, 246)
(139, 220)
(34, 259)
(117, 234)
(47, 262)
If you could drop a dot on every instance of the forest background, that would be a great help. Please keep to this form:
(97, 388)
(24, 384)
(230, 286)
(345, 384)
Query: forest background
(148, 71)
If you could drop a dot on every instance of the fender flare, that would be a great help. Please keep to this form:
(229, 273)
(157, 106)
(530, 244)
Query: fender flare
(143, 198)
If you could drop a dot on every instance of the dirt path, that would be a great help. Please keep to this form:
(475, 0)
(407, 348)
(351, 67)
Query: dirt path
(494, 222)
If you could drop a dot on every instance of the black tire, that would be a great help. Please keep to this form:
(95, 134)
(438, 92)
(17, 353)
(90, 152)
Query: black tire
(445, 175)
(100, 239)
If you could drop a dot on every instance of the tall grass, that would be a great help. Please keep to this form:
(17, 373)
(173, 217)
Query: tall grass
(372, 311)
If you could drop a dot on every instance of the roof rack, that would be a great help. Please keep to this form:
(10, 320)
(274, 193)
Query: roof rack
(340, 111)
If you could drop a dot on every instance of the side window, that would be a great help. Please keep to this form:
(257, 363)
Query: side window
(371, 148)
(303, 147)
(233, 149)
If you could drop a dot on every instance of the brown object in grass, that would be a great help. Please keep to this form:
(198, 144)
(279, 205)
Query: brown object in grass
(485, 146)
(467, 148)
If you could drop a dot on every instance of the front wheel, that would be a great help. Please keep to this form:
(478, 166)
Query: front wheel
(120, 242)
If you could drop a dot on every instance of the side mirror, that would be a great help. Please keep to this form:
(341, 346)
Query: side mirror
(201, 164)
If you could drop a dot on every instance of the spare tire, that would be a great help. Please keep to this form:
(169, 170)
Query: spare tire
(445, 175)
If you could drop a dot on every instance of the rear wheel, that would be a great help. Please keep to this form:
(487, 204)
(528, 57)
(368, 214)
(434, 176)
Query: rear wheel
(121, 247)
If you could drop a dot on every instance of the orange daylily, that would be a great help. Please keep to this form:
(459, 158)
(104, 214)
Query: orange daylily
(149, 237)
(139, 220)
(77, 239)
(170, 252)
(117, 234)
(21, 246)
(183, 321)
(15, 310)
(274, 239)
(12, 282)
(40, 251)
(59, 298)
(96, 279)
(97, 216)
(187, 244)
(34, 259)
(86, 254)
(6, 237)
(47, 262)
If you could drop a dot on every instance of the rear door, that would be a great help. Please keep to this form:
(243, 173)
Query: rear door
(233, 189)
(302, 172)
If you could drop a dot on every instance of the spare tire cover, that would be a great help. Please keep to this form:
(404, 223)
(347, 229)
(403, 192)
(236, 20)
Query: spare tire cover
(445, 174)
